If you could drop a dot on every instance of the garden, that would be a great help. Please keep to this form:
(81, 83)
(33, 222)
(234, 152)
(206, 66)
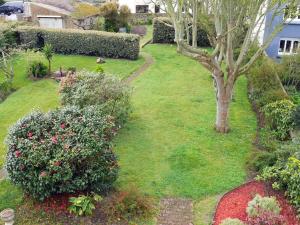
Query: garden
(116, 134)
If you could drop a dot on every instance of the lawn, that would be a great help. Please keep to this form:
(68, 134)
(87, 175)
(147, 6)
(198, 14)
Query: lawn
(169, 147)
(43, 94)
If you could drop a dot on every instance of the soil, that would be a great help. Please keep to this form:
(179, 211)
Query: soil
(234, 203)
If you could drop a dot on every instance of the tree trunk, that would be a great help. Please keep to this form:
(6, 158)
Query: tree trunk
(222, 124)
(223, 97)
(49, 68)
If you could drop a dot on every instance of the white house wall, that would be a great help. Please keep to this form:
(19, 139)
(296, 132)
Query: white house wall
(133, 3)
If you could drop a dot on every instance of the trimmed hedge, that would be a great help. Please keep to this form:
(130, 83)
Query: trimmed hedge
(162, 33)
(68, 41)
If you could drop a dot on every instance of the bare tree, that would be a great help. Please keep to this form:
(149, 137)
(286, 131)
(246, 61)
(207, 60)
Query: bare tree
(231, 57)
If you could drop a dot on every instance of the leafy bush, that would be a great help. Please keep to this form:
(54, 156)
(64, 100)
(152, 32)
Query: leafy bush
(108, 92)
(286, 177)
(262, 204)
(290, 70)
(163, 32)
(5, 89)
(296, 117)
(130, 205)
(279, 115)
(37, 69)
(230, 221)
(68, 41)
(84, 205)
(63, 151)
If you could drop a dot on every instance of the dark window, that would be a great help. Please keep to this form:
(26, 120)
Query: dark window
(142, 8)
(157, 8)
(295, 46)
(288, 46)
(281, 48)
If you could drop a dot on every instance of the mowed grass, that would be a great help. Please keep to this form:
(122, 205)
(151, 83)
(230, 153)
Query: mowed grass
(43, 94)
(169, 146)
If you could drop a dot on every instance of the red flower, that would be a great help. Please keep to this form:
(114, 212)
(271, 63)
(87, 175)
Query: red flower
(43, 174)
(18, 154)
(58, 163)
(54, 140)
(29, 135)
(62, 126)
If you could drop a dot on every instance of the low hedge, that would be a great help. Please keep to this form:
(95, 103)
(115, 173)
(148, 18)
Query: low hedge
(163, 32)
(69, 41)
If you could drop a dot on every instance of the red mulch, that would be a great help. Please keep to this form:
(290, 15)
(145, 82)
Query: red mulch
(234, 203)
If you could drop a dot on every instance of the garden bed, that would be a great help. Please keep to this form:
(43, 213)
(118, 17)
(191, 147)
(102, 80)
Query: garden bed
(234, 203)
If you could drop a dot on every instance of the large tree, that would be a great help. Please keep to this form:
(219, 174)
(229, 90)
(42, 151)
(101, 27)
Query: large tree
(233, 27)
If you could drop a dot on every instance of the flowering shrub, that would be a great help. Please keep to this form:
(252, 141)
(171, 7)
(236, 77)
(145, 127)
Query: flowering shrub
(63, 151)
(89, 88)
(266, 218)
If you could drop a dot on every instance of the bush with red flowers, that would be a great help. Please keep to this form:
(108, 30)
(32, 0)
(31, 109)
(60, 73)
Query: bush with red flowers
(64, 151)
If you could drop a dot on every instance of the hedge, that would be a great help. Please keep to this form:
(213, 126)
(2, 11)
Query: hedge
(69, 41)
(162, 33)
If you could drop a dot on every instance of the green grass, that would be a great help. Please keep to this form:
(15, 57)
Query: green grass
(10, 196)
(169, 146)
(148, 36)
(43, 94)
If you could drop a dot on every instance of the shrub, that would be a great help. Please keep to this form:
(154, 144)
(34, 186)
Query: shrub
(230, 221)
(68, 41)
(108, 92)
(262, 204)
(84, 205)
(296, 117)
(285, 177)
(130, 205)
(5, 89)
(163, 32)
(37, 69)
(279, 115)
(63, 151)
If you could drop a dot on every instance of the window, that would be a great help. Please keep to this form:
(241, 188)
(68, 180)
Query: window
(142, 8)
(157, 8)
(288, 46)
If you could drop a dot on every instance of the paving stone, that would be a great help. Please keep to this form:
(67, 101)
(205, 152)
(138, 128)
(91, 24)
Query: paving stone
(175, 211)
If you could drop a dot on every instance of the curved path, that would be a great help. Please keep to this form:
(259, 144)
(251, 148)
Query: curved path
(148, 62)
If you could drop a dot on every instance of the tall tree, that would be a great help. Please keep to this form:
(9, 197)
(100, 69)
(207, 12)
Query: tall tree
(236, 26)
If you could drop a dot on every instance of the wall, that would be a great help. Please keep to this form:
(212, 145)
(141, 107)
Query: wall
(291, 30)
(132, 4)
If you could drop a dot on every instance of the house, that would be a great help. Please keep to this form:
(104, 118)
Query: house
(141, 6)
(287, 40)
(48, 16)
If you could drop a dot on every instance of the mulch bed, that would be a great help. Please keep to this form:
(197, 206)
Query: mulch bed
(234, 203)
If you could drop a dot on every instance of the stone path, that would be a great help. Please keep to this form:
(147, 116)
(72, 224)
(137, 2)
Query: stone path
(3, 174)
(175, 211)
(148, 62)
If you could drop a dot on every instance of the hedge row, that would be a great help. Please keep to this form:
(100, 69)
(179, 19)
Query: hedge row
(163, 32)
(68, 41)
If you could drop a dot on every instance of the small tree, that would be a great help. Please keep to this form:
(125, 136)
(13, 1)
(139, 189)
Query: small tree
(48, 53)
(110, 13)
(231, 57)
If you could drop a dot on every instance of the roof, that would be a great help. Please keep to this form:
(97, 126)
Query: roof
(52, 8)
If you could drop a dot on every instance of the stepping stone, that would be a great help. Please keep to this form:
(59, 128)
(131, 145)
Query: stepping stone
(3, 174)
(175, 211)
